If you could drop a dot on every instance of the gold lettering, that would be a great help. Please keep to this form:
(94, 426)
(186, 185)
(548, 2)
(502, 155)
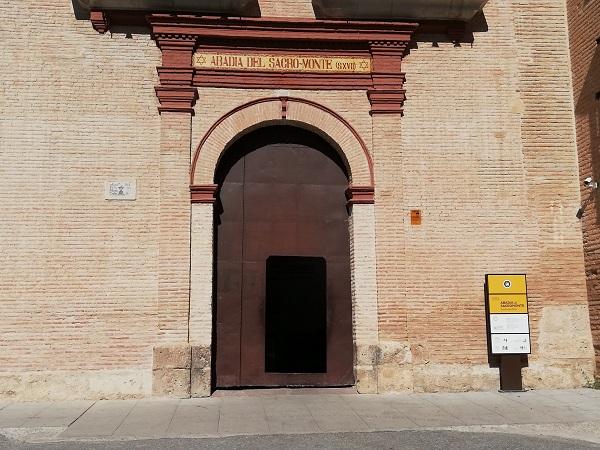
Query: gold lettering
(296, 63)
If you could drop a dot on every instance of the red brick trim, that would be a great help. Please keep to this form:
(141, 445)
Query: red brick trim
(203, 193)
(387, 101)
(291, 29)
(99, 21)
(176, 98)
(360, 195)
(387, 95)
(286, 101)
(179, 35)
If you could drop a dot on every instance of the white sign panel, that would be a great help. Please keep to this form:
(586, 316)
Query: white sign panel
(120, 190)
(510, 344)
(509, 323)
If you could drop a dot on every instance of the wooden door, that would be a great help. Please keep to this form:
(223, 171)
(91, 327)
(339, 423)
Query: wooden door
(283, 305)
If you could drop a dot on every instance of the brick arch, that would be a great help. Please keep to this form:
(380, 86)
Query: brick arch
(294, 111)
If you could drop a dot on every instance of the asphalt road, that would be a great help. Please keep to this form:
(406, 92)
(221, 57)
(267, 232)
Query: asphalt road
(413, 440)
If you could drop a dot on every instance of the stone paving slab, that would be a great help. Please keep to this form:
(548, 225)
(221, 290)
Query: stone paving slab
(555, 410)
(293, 413)
(243, 416)
(101, 420)
(512, 411)
(423, 412)
(15, 415)
(380, 414)
(332, 414)
(465, 411)
(148, 419)
(288, 415)
(198, 417)
(60, 414)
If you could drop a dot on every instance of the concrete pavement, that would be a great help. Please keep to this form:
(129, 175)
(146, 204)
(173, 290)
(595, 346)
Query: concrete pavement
(573, 414)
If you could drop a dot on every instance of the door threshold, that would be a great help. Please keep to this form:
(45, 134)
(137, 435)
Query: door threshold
(270, 392)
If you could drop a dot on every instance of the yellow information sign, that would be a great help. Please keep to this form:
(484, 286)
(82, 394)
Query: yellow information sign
(507, 284)
(282, 63)
(508, 304)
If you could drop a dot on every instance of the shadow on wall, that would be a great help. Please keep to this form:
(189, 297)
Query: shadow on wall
(129, 16)
(234, 8)
(458, 33)
(588, 104)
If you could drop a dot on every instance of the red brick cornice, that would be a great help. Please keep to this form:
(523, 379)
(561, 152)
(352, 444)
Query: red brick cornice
(387, 95)
(178, 36)
(180, 99)
(360, 195)
(203, 193)
(275, 29)
(387, 101)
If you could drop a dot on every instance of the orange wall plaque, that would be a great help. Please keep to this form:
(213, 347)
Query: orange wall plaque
(415, 217)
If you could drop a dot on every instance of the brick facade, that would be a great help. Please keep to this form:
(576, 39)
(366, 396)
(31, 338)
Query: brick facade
(112, 299)
(584, 32)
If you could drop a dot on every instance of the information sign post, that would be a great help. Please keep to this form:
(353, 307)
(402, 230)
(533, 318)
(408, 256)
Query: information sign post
(508, 320)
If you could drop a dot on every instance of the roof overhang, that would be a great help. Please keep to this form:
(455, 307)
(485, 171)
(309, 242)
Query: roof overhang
(455, 10)
(240, 8)
(451, 10)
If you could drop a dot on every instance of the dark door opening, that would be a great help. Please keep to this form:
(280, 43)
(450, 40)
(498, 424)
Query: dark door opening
(296, 315)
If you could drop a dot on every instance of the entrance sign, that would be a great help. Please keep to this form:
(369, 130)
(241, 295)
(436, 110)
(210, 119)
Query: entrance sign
(510, 344)
(282, 63)
(509, 323)
(508, 314)
(506, 284)
(507, 304)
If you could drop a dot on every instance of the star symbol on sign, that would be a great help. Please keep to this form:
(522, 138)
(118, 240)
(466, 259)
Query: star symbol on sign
(201, 59)
(364, 65)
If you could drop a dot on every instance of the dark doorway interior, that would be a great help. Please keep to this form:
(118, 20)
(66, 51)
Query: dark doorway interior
(296, 315)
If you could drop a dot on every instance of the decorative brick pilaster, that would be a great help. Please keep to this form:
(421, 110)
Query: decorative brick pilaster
(390, 213)
(180, 99)
(205, 193)
(176, 92)
(363, 262)
(174, 227)
(387, 95)
(360, 195)
(201, 296)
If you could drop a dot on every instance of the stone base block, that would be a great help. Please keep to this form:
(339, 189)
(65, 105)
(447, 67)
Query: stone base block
(201, 383)
(75, 385)
(172, 357)
(439, 377)
(173, 383)
(394, 378)
(201, 357)
(366, 380)
(560, 375)
(201, 371)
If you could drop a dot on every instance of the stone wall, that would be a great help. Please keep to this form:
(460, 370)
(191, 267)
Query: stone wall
(78, 274)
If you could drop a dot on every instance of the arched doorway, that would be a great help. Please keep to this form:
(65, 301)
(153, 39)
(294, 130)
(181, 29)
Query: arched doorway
(283, 295)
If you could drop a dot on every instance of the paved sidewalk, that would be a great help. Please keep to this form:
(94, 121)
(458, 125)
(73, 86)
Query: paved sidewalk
(567, 413)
